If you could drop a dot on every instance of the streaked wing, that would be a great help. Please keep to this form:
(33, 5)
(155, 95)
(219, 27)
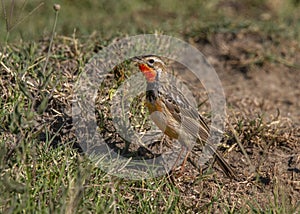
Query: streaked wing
(185, 114)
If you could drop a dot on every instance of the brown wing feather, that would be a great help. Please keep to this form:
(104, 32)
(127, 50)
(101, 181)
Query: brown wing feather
(186, 115)
(191, 121)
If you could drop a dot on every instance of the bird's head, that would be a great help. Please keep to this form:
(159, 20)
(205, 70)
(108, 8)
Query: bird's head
(151, 66)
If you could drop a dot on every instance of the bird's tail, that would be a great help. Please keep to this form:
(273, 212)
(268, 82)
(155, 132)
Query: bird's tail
(223, 163)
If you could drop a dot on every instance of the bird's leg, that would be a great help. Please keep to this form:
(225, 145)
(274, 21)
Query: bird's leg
(161, 143)
(184, 162)
(182, 167)
(177, 159)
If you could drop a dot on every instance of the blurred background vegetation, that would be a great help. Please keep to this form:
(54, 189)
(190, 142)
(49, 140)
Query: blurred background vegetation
(31, 20)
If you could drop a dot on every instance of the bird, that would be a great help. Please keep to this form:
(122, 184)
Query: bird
(172, 113)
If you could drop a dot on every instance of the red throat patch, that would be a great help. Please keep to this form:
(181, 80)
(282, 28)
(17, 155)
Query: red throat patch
(148, 72)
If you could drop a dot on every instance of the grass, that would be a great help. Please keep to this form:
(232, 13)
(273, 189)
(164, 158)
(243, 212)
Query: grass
(41, 167)
(30, 20)
(47, 179)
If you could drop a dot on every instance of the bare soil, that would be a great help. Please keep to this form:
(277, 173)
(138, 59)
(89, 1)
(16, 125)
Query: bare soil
(261, 82)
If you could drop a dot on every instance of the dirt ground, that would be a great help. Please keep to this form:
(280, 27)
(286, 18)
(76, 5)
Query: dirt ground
(263, 99)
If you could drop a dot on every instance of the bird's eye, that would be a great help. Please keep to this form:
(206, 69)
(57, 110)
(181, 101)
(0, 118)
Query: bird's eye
(151, 61)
